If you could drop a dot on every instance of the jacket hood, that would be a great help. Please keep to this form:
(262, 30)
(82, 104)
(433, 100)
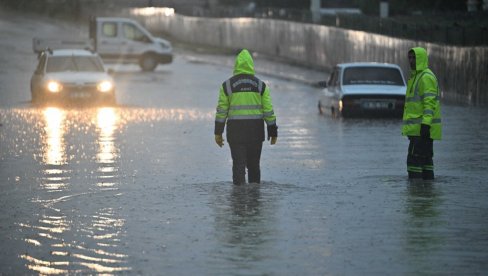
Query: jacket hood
(421, 59)
(244, 63)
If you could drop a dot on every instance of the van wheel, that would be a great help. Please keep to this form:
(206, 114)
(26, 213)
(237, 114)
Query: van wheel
(148, 63)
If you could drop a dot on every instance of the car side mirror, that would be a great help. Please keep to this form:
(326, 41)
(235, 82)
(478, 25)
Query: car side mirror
(322, 84)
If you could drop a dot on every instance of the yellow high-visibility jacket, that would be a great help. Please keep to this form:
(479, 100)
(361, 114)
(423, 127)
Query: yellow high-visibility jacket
(422, 105)
(244, 104)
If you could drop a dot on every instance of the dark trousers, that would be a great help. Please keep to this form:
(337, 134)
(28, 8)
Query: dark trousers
(246, 155)
(419, 159)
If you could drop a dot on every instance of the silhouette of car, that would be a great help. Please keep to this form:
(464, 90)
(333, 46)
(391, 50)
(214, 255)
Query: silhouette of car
(69, 75)
(363, 89)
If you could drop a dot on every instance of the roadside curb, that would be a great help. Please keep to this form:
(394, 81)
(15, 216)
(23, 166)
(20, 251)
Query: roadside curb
(264, 66)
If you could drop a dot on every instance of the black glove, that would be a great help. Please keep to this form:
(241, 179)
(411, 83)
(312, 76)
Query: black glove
(272, 131)
(424, 132)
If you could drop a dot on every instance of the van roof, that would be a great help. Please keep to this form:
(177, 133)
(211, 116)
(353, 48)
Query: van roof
(120, 19)
(71, 52)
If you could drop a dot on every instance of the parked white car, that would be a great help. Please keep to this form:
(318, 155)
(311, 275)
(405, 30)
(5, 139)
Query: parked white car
(71, 75)
(363, 89)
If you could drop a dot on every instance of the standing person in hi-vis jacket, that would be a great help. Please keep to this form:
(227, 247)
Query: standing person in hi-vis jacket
(421, 116)
(245, 105)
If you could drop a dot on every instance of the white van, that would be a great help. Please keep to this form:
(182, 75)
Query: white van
(117, 40)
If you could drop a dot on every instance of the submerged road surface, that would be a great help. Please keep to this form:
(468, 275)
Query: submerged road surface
(141, 187)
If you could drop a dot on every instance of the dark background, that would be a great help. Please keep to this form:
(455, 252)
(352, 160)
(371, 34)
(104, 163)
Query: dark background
(442, 22)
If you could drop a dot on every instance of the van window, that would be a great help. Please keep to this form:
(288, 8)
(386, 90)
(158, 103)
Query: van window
(109, 29)
(131, 32)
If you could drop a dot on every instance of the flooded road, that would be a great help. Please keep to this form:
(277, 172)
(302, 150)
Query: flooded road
(142, 188)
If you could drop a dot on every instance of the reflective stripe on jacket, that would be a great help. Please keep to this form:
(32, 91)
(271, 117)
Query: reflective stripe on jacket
(422, 105)
(244, 97)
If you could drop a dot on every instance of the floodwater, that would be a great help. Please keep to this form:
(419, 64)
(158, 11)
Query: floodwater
(141, 187)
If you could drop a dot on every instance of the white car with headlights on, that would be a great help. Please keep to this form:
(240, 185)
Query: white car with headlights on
(364, 89)
(71, 75)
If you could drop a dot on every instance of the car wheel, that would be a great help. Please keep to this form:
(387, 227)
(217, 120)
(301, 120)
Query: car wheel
(148, 62)
(319, 105)
(33, 95)
(36, 96)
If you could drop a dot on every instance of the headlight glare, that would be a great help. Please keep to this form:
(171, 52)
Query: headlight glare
(54, 87)
(105, 86)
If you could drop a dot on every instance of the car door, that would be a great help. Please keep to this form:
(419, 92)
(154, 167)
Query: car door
(136, 41)
(37, 77)
(333, 92)
(108, 40)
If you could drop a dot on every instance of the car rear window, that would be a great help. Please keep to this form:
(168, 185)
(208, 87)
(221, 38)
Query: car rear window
(372, 75)
(74, 63)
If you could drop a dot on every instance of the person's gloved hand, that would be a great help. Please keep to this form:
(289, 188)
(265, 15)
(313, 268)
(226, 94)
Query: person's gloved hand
(273, 134)
(424, 132)
(219, 140)
(273, 140)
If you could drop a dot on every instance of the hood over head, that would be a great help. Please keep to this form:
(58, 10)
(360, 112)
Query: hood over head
(244, 63)
(421, 58)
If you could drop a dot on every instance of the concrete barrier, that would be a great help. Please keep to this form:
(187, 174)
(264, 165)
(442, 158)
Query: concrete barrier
(462, 71)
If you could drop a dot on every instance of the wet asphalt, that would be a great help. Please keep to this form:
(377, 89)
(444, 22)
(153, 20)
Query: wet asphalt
(141, 187)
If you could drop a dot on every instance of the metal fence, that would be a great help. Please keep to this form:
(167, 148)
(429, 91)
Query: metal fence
(462, 71)
(459, 29)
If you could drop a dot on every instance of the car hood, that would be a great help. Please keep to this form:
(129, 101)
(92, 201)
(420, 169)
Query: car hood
(78, 77)
(373, 89)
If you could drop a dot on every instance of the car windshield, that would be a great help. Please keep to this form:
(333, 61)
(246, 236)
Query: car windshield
(372, 75)
(74, 63)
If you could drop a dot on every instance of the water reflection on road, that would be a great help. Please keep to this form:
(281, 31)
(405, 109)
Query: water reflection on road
(140, 191)
(76, 226)
(54, 147)
(423, 226)
(245, 223)
(69, 235)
